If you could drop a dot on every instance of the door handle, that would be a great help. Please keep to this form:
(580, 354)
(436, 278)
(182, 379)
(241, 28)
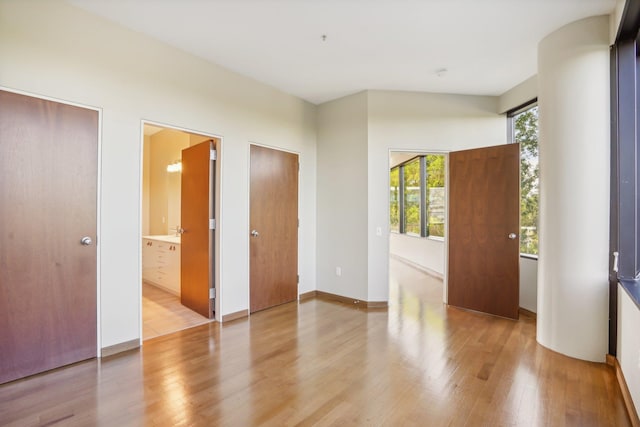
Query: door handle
(512, 236)
(254, 233)
(86, 240)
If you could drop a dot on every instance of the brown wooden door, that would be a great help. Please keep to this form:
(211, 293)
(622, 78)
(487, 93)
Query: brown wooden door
(48, 199)
(196, 243)
(484, 209)
(273, 229)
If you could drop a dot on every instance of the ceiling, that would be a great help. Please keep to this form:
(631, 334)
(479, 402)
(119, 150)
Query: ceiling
(320, 50)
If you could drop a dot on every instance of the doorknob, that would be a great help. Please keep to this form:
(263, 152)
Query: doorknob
(512, 236)
(254, 233)
(86, 240)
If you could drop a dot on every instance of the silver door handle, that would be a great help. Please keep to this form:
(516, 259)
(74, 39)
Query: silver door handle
(254, 233)
(86, 240)
(512, 236)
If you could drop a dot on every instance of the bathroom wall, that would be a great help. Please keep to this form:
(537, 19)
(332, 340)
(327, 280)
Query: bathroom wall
(164, 189)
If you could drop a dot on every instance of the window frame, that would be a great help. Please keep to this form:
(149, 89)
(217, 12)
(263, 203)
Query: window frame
(423, 206)
(511, 139)
(624, 246)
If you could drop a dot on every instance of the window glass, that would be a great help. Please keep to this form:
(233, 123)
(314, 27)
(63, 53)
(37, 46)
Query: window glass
(412, 197)
(525, 132)
(435, 195)
(394, 199)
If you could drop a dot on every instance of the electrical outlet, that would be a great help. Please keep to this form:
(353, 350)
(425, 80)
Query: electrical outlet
(338, 271)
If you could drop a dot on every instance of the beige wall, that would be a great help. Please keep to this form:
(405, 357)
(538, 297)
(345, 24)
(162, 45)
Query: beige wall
(146, 185)
(342, 196)
(166, 148)
(51, 48)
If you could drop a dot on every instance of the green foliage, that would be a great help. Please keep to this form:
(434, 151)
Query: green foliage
(412, 197)
(526, 133)
(412, 193)
(394, 197)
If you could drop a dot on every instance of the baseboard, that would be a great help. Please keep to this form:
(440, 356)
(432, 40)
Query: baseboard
(626, 395)
(119, 348)
(417, 266)
(368, 305)
(307, 295)
(235, 316)
(164, 288)
(528, 313)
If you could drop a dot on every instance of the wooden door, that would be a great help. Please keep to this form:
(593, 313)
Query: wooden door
(273, 229)
(484, 209)
(48, 204)
(196, 243)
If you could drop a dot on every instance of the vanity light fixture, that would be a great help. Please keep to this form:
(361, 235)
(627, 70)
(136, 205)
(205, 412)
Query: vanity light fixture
(175, 166)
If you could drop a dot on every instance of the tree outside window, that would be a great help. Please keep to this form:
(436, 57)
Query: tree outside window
(417, 196)
(394, 199)
(412, 197)
(525, 132)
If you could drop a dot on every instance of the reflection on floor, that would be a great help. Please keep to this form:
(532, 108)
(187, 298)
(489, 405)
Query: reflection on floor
(163, 314)
(326, 363)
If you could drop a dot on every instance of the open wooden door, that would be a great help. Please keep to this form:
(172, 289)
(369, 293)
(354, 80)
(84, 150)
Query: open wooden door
(484, 218)
(273, 241)
(48, 224)
(196, 245)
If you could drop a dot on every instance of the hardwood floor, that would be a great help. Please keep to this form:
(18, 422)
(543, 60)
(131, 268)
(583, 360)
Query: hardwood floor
(163, 314)
(322, 363)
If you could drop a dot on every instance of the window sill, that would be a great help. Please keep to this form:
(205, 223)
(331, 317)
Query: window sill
(436, 238)
(632, 287)
(529, 256)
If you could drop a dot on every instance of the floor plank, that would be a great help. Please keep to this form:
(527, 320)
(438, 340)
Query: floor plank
(322, 363)
(163, 314)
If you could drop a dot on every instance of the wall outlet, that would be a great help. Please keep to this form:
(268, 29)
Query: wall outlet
(338, 271)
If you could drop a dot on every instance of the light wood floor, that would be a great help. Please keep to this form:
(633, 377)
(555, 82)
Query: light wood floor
(322, 363)
(163, 314)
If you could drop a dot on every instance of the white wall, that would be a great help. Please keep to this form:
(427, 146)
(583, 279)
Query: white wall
(51, 48)
(431, 122)
(427, 254)
(529, 284)
(574, 131)
(342, 196)
(629, 343)
(518, 95)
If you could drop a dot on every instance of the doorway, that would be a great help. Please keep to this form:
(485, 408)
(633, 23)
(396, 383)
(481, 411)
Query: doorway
(48, 234)
(417, 212)
(168, 304)
(273, 228)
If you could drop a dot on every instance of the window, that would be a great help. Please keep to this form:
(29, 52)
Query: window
(411, 194)
(524, 130)
(417, 196)
(435, 195)
(625, 164)
(394, 199)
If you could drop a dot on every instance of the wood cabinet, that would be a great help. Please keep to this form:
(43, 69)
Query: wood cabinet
(161, 264)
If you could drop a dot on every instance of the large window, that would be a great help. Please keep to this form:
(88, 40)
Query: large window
(394, 200)
(411, 194)
(524, 130)
(417, 196)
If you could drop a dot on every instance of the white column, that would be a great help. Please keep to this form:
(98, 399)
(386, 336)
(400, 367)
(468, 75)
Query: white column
(573, 83)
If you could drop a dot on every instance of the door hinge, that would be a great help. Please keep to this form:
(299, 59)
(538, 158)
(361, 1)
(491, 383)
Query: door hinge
(212, 224)
(212, 293)
(298, 278)
(213, 155)
(298, 222)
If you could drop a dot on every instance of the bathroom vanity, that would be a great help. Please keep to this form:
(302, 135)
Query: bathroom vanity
(161, 262)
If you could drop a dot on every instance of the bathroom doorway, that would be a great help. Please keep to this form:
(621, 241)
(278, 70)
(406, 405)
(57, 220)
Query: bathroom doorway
(166, 275)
